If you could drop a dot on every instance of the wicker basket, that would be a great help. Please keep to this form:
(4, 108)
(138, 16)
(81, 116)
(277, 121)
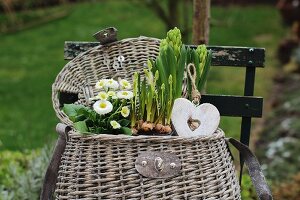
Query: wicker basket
(104, 166)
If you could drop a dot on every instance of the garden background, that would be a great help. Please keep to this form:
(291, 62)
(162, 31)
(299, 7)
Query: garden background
(32, 34)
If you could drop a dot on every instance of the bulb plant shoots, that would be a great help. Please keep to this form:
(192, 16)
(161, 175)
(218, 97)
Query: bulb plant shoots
(163, 83)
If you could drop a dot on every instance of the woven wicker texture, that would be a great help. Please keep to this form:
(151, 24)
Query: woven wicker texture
(102, 167)
(80, 75)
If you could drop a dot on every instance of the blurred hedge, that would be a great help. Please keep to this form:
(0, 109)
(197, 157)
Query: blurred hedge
(21, 174)
(242, 2)
(20, 5)
(27, 19)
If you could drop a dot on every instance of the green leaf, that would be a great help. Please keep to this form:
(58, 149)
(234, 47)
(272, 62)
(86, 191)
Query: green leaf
(89, 123)
(180, 71)
(173, 67)
(171, 60)
(139, 83)
(93, 116)
(71, 110)
(124, 122)
(205, 71)
(84, 111)
(165, 62)
(80, 118)
(197, 66)
(162, 71)
(81, 127)
(100, 130)
(143, 99)
(189, 55)
(72, 118)
(103, 123)
(126, 131)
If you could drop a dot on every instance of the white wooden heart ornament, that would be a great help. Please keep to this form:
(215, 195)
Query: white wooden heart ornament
(206, 113)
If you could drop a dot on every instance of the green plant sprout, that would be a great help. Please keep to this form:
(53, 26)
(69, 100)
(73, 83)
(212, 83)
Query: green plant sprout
(163, 83)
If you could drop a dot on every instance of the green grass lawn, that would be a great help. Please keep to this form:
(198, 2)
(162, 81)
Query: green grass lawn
(30, 60)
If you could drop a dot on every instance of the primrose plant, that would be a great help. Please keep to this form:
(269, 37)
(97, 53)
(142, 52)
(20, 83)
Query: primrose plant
(109, 113)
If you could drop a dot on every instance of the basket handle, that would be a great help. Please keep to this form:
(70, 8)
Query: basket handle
(52, 170)
(261, 187)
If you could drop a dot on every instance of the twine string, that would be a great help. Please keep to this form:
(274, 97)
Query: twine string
(192, 74)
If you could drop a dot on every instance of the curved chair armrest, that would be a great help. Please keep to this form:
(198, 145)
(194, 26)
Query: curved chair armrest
(52, 170)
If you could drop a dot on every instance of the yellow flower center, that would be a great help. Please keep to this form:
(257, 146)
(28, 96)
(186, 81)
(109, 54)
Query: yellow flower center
(111, 93)
(101, 83)
(125, 93)
(102, 105)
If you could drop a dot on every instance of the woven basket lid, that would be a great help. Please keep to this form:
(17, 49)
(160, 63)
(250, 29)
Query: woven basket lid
(75, 82)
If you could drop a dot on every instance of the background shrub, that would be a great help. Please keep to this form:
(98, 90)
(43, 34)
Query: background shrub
(21, 176)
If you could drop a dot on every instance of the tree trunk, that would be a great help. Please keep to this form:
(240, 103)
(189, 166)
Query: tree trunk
(185, 26)
(8, 10)
(201, 18)
(173, 17)
(171, 14)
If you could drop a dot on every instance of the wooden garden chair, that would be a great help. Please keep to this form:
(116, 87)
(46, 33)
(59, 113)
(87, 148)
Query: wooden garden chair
(246, 107)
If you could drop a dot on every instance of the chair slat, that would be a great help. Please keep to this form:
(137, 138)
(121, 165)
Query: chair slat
(236, 106)
(237, 56)
(222, 55)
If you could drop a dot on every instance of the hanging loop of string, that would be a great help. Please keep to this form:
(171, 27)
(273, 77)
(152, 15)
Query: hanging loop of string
(192, 75)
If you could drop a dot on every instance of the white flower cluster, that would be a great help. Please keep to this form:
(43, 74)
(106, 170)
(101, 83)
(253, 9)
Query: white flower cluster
(112, 90)
(113, 84)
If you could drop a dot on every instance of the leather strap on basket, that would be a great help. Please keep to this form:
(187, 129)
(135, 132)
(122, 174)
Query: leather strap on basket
(257, 177)
(52, 170)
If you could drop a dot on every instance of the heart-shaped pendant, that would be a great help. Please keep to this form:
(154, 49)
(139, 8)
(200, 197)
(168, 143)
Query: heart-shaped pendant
(191, 121)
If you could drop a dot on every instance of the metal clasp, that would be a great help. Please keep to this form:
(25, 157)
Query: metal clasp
(155, 164)
(159, 164)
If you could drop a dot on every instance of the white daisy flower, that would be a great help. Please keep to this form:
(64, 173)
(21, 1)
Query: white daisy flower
(111, 83)
(125, 111)
(124, 94)
(115, 124)
(112, 94)
(102, 95)
(101, 84)
(102, 107)
(125, 84)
